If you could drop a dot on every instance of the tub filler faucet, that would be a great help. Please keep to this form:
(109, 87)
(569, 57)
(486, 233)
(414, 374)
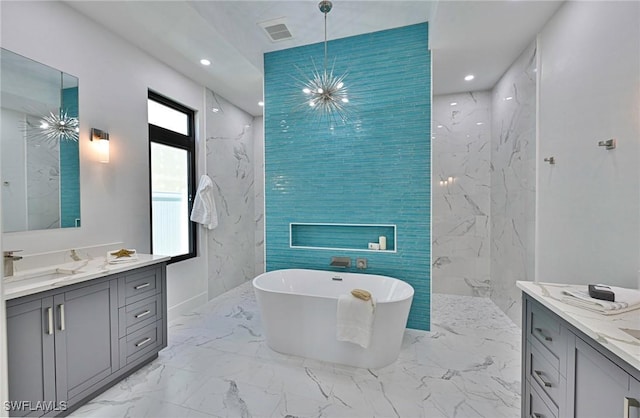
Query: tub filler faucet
(9, 258)
(342, 262)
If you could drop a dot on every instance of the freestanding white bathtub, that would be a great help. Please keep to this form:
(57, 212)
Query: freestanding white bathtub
(299, 315)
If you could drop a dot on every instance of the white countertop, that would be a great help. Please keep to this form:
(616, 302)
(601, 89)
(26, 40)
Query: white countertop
(24, 283)
(603, 329)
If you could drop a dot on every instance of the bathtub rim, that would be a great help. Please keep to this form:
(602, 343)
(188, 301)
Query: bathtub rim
(261, 288)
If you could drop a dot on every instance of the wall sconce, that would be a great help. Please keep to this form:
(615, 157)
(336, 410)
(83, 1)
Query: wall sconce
(101, 138)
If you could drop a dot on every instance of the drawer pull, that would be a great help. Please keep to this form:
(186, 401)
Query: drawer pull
(628, 404)
(142, 286)
(537, 374)
(50, 321)
(143, 342)
(143, 314)
(541, 334)
(536, 415)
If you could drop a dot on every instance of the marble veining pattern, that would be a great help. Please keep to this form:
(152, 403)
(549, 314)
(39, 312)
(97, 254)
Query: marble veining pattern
(229, 161)
(217, 364)
(513, 188)
(461, 136)
(604, 329)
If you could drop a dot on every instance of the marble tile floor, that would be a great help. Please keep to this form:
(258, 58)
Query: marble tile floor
(218, 365)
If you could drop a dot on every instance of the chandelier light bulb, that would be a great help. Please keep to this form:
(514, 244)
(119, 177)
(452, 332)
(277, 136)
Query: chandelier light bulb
(306, 91)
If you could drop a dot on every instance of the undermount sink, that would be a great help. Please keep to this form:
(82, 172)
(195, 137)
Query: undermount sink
(41, 276)
(635, 333)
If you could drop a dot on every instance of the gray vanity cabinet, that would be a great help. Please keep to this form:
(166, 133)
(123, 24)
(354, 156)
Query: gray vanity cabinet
(86, 337)
(567, 374)
(67, 345)
(31, 353)
(60, 345)
(599, 387)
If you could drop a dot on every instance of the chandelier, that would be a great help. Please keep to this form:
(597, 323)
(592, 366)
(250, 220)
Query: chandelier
(325, 93)
(56, 127)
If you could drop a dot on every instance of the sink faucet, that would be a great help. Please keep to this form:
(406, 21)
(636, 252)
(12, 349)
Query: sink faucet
(9, 258)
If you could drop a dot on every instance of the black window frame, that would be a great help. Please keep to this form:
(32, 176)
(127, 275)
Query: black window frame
(187, 142)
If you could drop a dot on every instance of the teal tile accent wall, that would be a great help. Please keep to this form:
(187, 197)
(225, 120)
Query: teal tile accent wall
(375, 169)
(69, 167)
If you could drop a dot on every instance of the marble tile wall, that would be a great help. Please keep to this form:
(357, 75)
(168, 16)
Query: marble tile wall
(461, 137)
(258, 187)
(229, 162)
(513, 191)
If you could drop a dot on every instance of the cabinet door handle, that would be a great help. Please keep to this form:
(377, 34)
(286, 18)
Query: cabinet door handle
(541, 334)
(142, 286)
(143, 342)
(61, 308)
(628, 404)
(536, 415)
(49, 321)
(143, 314)
(537, 374)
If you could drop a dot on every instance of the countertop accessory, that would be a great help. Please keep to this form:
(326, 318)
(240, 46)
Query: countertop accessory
(602, 292)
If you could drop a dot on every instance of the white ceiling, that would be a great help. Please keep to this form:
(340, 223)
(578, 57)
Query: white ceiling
(479, 37)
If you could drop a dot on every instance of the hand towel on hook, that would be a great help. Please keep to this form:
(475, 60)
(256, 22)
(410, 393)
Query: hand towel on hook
(204, 206)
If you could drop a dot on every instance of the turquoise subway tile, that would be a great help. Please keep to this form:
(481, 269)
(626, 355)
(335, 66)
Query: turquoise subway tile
(373, 170)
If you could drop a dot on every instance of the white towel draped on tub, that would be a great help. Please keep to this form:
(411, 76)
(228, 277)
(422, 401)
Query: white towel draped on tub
(204, 206)
(355, 320)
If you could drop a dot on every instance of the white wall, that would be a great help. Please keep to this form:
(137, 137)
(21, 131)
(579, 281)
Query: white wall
(461, 208)
(114, 78)
(588, 211)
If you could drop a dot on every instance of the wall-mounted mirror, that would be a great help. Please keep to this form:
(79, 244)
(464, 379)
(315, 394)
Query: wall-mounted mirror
(39, 145)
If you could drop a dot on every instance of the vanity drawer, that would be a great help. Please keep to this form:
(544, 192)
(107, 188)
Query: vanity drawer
(135, 345)
(546, 331)
(139, 314)
(543, 376)
(138, 285)
(537, 407)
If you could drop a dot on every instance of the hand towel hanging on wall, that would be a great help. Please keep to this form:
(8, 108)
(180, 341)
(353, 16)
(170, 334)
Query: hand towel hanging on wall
(204, 206)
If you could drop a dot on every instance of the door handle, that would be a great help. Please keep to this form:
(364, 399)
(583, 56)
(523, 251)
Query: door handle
(628, 404)
(50, 321)
(61, 309)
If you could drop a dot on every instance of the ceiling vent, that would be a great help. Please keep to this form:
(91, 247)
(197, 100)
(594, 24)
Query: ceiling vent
(276, 29)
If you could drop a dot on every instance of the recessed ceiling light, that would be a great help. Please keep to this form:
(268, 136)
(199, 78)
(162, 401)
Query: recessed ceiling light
(479, 123)
(215, 110)
(469, 77)
(508, 98)
(439, 126)
(453, 103)
(205, 61)
(260, 103)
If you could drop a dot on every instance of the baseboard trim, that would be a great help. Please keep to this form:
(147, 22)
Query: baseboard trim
(186, 306)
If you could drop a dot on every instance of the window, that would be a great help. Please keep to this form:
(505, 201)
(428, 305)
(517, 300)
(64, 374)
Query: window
(172, 154)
